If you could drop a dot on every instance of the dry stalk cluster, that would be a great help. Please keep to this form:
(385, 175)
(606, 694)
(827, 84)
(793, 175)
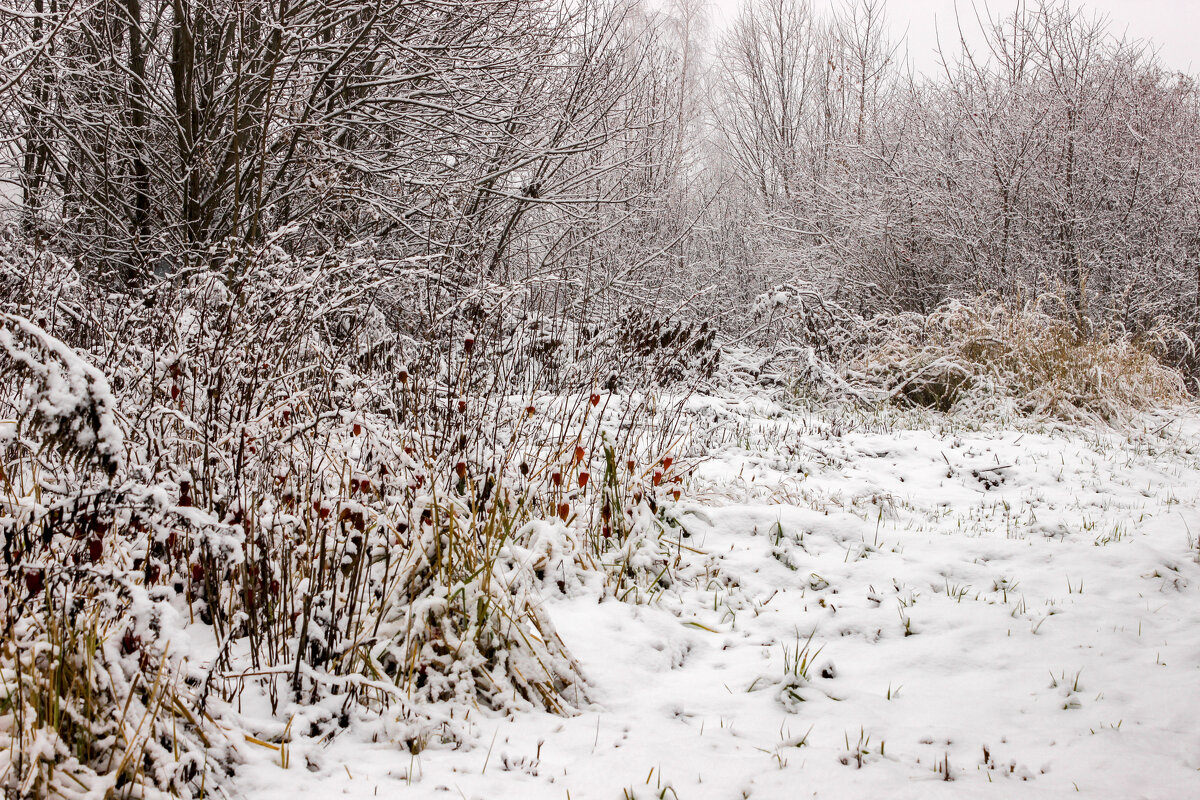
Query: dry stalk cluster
(975, 356)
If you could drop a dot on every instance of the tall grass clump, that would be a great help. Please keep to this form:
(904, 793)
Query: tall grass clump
(977, 355)
(972, 352)
(94, 691)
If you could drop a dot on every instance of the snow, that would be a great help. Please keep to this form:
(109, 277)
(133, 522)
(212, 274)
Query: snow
(862, 606)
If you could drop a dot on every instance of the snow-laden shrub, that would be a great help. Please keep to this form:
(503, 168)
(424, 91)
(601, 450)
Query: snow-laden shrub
(360, 523)
(99, 697)
(63, 399)
(444, 328)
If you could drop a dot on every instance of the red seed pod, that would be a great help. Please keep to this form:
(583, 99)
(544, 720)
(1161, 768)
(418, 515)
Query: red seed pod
(676, 494)
(564, 511)
(357, 429)
(359, 521)
(468, 344)
(606, 512)
(556, 478)
(365, 485)
(354, 485)
(629, 464)
(345, 515)
(426, 517)
(530, 410)
(637, 498)
(324, 511)
(174, 391)
(657, 479)
(606, 532)
(462, 406)
(286, 414)
(667, 462)
(583, 479)
(460, 469)
(197, 572)
(95, 549)
(579, 453)
(35, 580)
(594, 399)
(403, 376)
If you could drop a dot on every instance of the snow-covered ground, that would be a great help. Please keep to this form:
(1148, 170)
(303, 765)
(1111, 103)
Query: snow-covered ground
(865, 608)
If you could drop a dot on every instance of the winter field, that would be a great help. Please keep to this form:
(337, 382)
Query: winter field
(674, 399)
(804, 581)
(859, 606)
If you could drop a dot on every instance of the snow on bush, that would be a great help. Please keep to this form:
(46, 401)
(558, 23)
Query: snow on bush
(100, 699)
(63, 398)
(308, 516)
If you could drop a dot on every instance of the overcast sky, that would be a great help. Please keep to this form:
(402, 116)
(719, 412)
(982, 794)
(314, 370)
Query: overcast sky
(1173, 25)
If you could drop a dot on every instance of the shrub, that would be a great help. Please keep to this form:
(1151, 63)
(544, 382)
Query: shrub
(363, 522)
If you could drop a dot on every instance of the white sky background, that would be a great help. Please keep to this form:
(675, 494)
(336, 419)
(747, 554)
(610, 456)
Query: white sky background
(1172, 25)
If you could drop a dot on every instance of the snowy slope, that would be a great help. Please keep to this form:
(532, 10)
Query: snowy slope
(864, 608)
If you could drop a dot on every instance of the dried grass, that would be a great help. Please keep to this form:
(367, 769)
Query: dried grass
(968, 355)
